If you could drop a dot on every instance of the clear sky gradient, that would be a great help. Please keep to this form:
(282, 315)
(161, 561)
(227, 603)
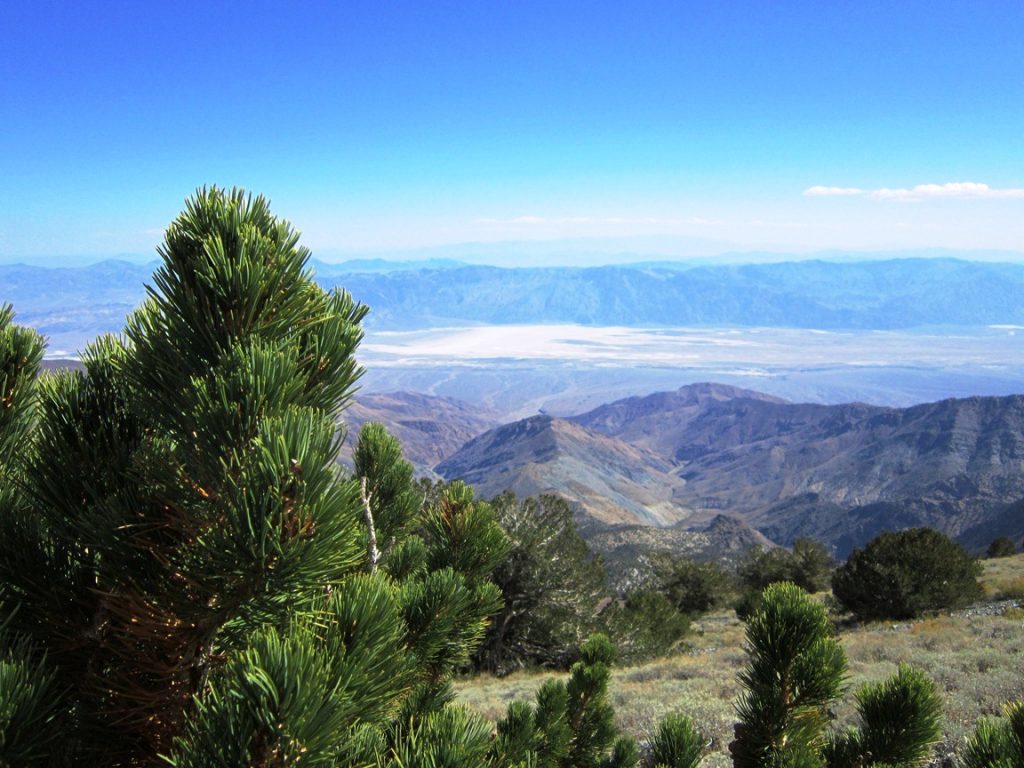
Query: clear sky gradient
(381, 125)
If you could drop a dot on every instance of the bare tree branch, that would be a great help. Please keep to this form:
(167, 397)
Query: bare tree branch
(371, 545)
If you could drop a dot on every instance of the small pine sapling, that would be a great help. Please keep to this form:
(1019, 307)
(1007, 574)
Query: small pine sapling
(899, 724)
(997, 742)
(794, 673)
(676, 744)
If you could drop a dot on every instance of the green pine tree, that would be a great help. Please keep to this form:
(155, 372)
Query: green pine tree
(997, 742)
(795, 673)
(551, 586)
(188, 578)
(573, 722)
(572, 725)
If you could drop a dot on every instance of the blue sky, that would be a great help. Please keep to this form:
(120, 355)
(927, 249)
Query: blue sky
(381, 125)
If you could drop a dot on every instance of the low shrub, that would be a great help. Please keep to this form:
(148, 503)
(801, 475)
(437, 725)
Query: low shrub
(692, 587)
(795, 675)
(1011, 589)
(904, 574)
(996, 743)
(1001, 547)
(808, 565)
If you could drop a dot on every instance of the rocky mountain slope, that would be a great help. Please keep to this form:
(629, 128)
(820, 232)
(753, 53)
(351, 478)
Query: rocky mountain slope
(839, 473)
(429, 428)
(609, 480)
(625, 549)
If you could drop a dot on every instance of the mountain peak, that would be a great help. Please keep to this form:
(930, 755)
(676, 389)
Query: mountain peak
(708, 390)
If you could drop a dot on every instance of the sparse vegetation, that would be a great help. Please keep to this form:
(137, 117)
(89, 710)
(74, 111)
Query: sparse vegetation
(973, 658)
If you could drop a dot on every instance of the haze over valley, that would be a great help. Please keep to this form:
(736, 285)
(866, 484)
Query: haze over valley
(558, 340)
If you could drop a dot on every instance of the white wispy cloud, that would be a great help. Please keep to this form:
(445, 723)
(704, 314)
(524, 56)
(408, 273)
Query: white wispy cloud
(949, 190)
(832, 191)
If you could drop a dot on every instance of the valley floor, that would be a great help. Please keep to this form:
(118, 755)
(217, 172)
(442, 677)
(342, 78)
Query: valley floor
(976, 657)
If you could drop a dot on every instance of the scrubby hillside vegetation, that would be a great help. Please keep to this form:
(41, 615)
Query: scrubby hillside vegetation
(973, 655)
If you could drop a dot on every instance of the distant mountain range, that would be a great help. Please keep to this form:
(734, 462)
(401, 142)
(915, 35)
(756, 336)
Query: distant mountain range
(880, 295)
(680, 460)
(73, 305)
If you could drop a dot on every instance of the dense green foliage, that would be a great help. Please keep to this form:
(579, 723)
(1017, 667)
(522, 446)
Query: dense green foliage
(900, 575)
(690, 586)
(645, 624)
(185, 570)
(794, 675)
(998, 743)
(676, 744)
(1002, 546)
(551, 586)
(899, 724)
(808, 565)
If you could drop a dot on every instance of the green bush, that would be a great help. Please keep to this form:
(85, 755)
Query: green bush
(794, 675)
(645, 624)
(1001, 547)
(572, 725)
(690, 586)
(676, 744)
(899, 724)
(808, 565)
(997, 743)
(904, 574)
(551, 586)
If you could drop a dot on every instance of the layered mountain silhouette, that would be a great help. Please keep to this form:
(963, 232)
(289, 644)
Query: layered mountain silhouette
(74, 304)
(885, 294)
(839, 473)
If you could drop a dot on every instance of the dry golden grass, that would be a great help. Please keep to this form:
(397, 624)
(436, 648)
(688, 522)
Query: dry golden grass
(975, 658)
(1003, 577)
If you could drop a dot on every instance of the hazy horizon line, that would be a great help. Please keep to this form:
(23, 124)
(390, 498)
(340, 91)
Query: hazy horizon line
(607, 252)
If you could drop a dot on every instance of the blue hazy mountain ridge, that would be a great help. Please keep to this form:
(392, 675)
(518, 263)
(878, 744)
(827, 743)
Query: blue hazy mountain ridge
(883, 295)
(73, 305)
(328, 269)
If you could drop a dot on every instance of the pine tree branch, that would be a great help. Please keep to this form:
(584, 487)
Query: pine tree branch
(371, 543)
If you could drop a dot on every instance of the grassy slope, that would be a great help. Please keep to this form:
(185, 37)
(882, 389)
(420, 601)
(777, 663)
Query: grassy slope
(976, 659)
